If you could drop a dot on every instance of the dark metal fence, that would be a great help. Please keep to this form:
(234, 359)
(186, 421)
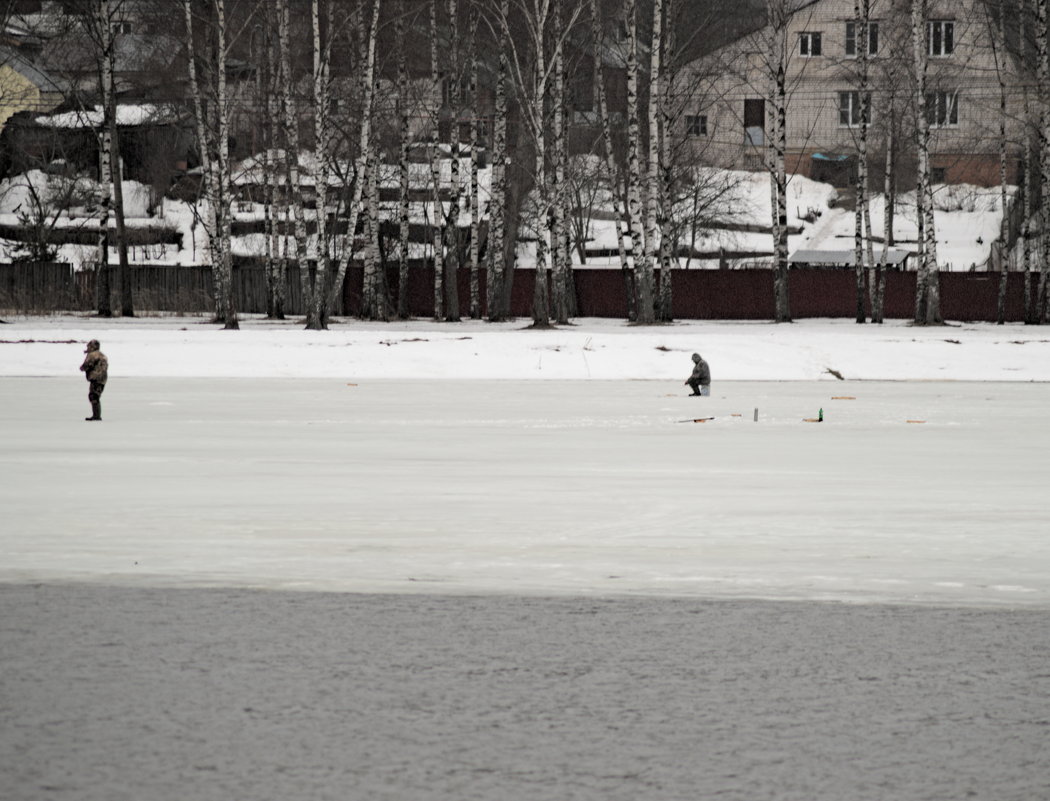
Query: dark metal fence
(698, 294)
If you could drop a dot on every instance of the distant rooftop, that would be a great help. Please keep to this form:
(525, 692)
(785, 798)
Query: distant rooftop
(844, 258)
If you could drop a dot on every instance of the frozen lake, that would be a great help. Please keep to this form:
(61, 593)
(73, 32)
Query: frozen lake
(916, 492)
(523, 590)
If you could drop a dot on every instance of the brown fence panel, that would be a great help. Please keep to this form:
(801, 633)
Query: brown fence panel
(698, 294)
(35, 287)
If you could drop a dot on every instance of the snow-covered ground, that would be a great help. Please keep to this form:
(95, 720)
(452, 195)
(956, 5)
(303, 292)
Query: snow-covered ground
(591, 348)
(355, 459)
(967, 218)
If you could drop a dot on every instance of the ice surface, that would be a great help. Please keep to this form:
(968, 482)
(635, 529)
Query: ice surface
(907, 492)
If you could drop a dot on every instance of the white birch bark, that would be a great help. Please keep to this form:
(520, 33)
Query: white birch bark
(1027, 159)
(653, 172)
(475, 153)
(364, 149)
(999, 54)
(862, 18)
(437, 220)
(635, 170)
(105, 178)
(778, 50)
(927, 300)
(540, 293)
(291, 155)
(1042, 303)
(623, 234)
(222, 167)
(203, 140)
(560, 275)
(322, 158)
(403, 163)
(498, 189)
(665, 221)
(452, 252)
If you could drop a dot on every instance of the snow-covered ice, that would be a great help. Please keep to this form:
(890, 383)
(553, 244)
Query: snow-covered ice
(539, 589)
(356, 459)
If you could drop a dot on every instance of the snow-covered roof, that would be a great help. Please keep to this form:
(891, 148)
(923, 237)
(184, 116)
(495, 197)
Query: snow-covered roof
(843, 257)
(127, 115)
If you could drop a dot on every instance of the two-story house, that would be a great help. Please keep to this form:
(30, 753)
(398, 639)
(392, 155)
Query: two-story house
(822, 44)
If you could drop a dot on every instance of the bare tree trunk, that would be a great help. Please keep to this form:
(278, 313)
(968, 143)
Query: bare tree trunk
(364, 148)
(998, 52)
(222, 164)
(103, 290)
(668, 256)
(291, 155)
(374, 302)
(623, 233)
(475, 166)
(877, 281)
(452, 251)
(927, 300)
(778, 46)
(862, 16)
(204, 145)
(403, 163)
(642, 267)
(1042, 304)
(561, 257)
(435, 172)
(655, 100)
(322, 146)
(275, 262)
(498, 188)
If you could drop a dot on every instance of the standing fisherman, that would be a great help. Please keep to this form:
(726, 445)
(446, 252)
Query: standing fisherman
(95, 368)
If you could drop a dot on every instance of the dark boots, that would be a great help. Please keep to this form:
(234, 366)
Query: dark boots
(96, 411)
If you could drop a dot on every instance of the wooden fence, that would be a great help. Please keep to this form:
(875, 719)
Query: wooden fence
(698, 294)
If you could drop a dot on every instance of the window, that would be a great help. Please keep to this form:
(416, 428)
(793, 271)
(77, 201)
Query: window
(809, 44)
(942, 109)
(940, 37)
(851, 110)
(121, 27)
(755, 121)
(937, 175)
(696, 124)
(852, 31)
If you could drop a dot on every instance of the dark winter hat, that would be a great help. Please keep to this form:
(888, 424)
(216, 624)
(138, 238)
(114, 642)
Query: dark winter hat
(92, 345)
(696, 357)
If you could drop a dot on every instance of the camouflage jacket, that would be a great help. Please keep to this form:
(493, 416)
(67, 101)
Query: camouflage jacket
(95, 367)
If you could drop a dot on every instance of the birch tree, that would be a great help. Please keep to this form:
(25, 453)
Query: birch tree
(403, 163)
(533, 70)
(653, 175)
(1027, 160)
(927, 294)
(290, 105)
(1042, 304)
(475, 166)
(561, 260)
(862, 21)
(777, 42)
(624, 237)
(668, 119)
(363, 148)
(322, 59)
(437, 217)
(643, 268)
(213, 136)
(497, 260)
(1001, 61)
